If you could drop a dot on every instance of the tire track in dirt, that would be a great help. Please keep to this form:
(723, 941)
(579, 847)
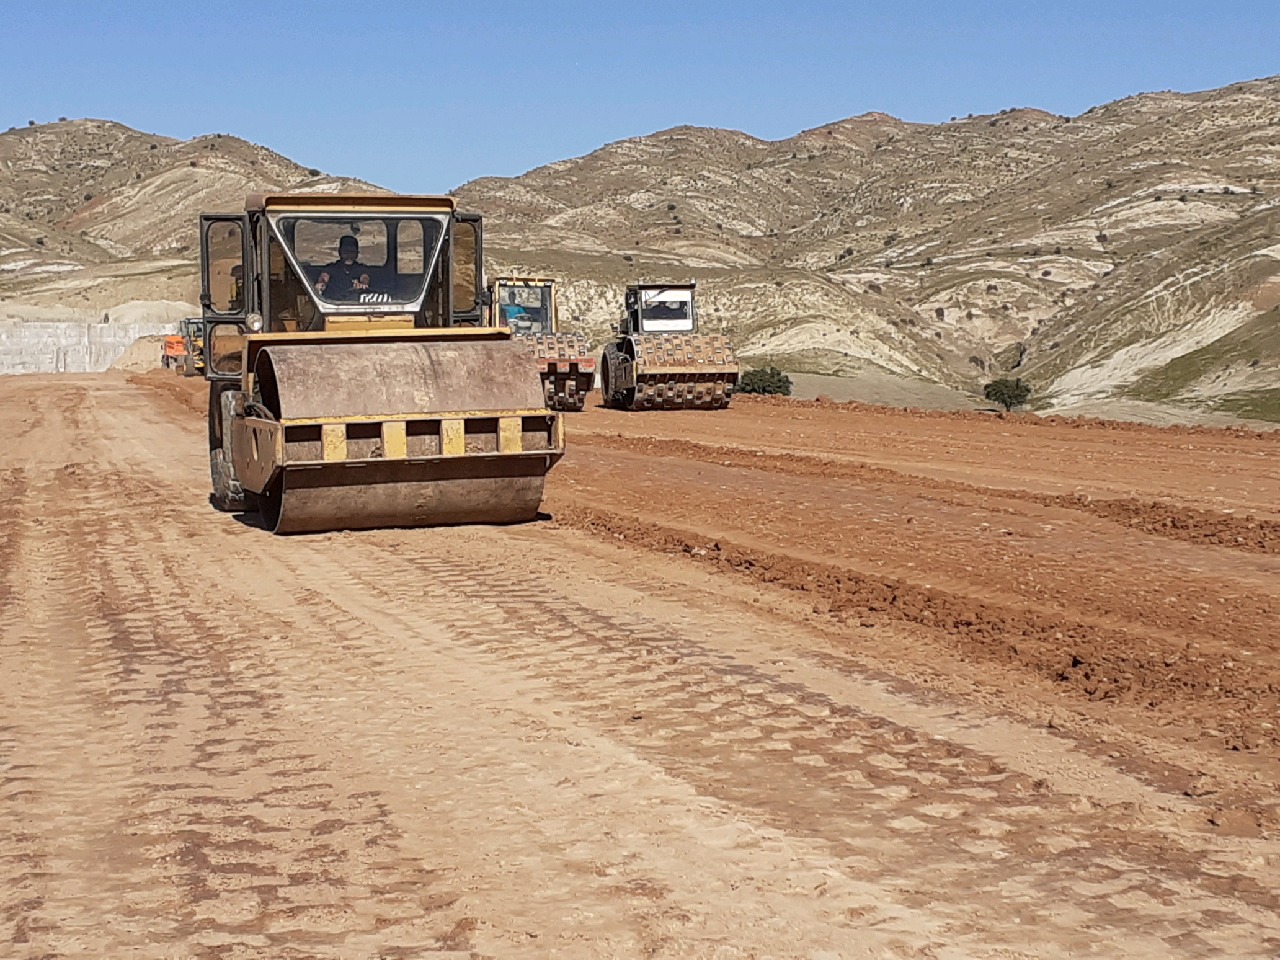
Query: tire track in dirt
(12, 532)
(1089, 662)
(342, 646)
(29, 425)
(804, 762)
(62, 756)
(350, 885)
(619, 883)
(1245, 532)
(23, 857)
(226, 831)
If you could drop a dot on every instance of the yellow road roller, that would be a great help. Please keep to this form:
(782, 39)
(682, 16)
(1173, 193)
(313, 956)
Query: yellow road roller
(352, 381)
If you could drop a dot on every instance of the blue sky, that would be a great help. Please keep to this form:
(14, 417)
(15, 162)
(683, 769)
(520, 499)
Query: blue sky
(422, 96)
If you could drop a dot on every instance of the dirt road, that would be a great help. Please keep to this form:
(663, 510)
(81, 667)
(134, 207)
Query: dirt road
(815, 682)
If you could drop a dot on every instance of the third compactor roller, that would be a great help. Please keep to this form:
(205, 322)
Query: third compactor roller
(352, 382)
(660, 361)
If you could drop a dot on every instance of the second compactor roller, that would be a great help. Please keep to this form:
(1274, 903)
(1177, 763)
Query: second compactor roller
(352, 383)
(528, 306)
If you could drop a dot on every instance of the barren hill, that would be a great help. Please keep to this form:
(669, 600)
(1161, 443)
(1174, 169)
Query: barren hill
(93, 212)
(1130, 252)
(1086, 254)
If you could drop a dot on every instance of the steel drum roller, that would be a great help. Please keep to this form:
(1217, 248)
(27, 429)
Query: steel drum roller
(423, 433)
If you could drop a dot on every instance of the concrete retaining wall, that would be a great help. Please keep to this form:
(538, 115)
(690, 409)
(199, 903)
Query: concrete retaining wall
(34, 346)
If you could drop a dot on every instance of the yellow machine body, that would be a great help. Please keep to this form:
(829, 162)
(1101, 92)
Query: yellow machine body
(379, 412)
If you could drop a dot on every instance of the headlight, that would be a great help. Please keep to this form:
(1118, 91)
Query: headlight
(254, 322)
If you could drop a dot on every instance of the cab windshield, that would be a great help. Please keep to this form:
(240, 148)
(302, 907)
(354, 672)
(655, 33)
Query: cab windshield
(525, 308)
(663, 310)
(373, 263)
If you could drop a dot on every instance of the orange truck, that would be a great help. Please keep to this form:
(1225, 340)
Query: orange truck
(184, 351)
(173, 353)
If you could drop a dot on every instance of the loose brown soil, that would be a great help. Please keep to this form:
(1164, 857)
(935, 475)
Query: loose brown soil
(785, 680)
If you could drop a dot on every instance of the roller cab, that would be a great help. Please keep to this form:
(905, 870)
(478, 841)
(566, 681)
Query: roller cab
(353, 383)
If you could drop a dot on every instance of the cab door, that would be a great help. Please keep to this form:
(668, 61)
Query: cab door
(224, 254)
(227, 295)
(466, 271)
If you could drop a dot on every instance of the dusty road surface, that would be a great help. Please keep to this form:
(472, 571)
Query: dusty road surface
(811, 682)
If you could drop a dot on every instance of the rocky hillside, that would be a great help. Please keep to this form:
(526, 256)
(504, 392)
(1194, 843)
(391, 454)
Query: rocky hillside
(1127, 253)
(1091, 255)
(93, 213)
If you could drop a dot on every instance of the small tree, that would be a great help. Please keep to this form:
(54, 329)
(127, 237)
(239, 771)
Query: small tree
(1007, 393)
(765, 380)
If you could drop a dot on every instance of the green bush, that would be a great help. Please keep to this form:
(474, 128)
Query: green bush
(765, 380)
(1007, 393)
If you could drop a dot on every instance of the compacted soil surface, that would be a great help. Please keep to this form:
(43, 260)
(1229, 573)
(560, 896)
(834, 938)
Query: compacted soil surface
(791, 680)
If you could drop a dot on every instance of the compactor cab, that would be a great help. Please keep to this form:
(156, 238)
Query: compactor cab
(527, 305)
(352, 382)
(660, 361)
(659, 309)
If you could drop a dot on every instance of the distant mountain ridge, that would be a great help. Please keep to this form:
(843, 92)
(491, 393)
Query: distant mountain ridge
(1084, 253)
(94, 213)
(1130, 252)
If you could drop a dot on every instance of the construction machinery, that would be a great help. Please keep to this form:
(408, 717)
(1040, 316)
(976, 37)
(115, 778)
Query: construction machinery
(352, 381)
(173, 353)
(660, 361)
(528, 306)
(184, 351)
(192, 332)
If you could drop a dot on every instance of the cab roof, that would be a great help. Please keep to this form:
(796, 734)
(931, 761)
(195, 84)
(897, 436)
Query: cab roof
(348, 202)
(529, 281)
(686, 285)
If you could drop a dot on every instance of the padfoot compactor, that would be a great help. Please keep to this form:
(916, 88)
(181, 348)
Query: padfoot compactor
(528, 306)
(660, 361)
(352, 382)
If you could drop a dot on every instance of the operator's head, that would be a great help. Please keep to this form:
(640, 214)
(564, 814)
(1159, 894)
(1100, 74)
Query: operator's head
(348, 249)
(511, 296)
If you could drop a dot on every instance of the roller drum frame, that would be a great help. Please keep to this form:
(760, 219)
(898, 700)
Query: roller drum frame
(406, 434)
